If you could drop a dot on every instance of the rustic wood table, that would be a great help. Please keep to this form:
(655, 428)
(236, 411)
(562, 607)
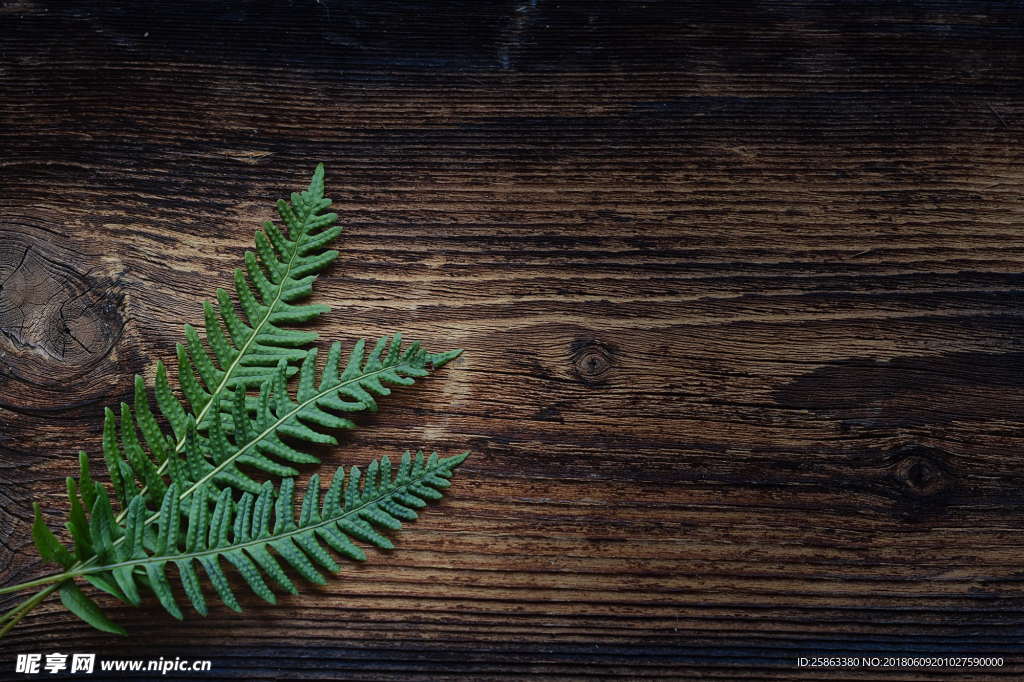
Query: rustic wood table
(738, 283)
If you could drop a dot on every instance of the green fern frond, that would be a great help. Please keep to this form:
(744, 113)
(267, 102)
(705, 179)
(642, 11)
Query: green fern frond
(239, 419)
(254, 534)
(247, 343)
(253, 350)
(246, 349)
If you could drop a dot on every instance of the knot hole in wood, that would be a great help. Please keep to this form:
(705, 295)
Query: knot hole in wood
(54, 318)
(592, 360)
(921, 471)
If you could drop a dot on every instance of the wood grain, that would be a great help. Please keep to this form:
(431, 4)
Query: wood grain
(738, 283)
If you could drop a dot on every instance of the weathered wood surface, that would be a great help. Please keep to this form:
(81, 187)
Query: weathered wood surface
(739, 285)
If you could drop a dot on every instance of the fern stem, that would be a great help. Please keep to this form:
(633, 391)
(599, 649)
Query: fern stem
(45, 580)
(14, 616)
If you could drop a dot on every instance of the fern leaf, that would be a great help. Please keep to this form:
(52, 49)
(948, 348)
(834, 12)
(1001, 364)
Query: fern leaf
(175, 485)
(220, 425)
(245, 346)
(259, 532)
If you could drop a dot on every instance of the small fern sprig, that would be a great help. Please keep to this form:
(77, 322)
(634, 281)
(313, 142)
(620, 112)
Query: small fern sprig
(254, 534)
(160, 478)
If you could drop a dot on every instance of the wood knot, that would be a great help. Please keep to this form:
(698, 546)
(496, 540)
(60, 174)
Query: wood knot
(54, 319)
(591, 360)
(920, 472)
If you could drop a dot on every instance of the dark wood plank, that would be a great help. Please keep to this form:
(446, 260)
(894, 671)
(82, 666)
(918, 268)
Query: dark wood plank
(739, 285)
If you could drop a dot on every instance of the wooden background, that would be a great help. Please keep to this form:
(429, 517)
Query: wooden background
(739, 285)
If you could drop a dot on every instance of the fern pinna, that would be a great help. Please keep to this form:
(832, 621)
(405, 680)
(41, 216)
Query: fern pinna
(188, 493)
